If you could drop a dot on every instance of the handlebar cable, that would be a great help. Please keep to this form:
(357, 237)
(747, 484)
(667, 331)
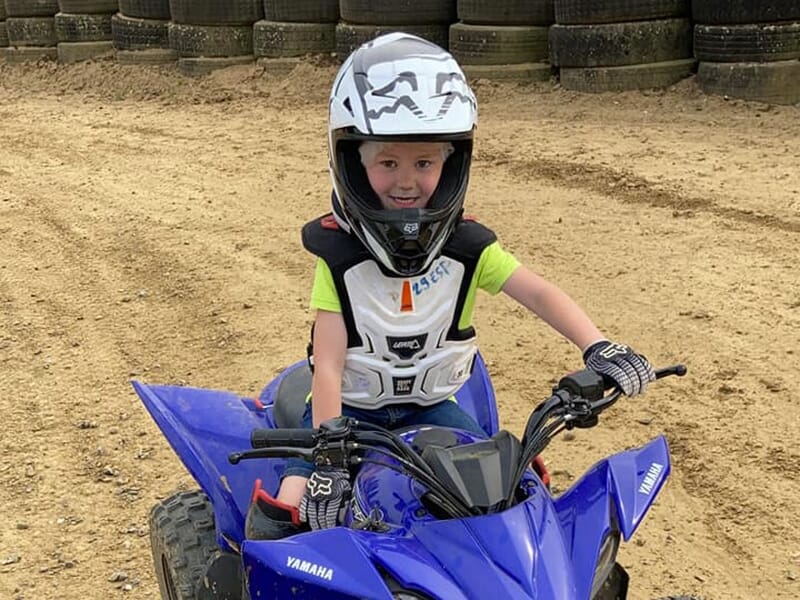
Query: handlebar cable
(455, 509)
(391, 441)
(533, 448)
(396, 441)
(428, 480)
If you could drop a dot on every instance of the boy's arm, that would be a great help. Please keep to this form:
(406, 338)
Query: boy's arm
(617, 362)
(330, 348)
(553, 306)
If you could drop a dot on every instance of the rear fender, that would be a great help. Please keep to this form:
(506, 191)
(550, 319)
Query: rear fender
(476, 397)
(204, 427)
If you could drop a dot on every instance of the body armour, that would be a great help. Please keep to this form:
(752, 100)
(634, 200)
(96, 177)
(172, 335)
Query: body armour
(404, 343)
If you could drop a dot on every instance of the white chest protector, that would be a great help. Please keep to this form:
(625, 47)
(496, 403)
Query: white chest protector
(403, 324)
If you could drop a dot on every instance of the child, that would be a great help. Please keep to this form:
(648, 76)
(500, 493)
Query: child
(398, 268)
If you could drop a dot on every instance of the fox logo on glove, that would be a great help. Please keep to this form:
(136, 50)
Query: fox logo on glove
(613, 350)
(318, 485)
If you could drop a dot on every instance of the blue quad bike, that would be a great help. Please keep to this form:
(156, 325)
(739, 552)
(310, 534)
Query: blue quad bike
(435, 513)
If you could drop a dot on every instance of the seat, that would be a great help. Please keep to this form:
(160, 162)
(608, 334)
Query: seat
(291, 397)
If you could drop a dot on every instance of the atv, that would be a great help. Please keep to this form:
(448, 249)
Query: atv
(435, 512)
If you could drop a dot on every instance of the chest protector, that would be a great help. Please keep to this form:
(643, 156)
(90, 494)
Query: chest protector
(404, 344)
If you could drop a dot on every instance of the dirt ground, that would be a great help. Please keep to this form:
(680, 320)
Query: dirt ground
(149, 229)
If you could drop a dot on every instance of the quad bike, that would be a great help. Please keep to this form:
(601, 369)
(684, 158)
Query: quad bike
(435, 512)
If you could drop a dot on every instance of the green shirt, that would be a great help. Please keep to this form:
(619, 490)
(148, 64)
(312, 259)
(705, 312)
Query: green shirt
(494, 268)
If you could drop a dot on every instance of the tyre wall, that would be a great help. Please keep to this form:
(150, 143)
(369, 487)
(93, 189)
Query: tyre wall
(3, 31)
(140, 32)
(503, 39)
(748, 50)
(617, 45)
(738, 48)
(83, 29)
(28, 30)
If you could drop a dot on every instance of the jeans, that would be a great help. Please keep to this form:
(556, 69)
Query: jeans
(446, 413)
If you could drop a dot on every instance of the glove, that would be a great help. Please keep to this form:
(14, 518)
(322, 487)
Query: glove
(630, 371)
(327, 493)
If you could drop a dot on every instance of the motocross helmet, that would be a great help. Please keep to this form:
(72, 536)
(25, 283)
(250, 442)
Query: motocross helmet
(399, 88)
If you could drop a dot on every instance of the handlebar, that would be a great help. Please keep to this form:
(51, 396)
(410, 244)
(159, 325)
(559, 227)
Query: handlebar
(577, 401)
(296, 438)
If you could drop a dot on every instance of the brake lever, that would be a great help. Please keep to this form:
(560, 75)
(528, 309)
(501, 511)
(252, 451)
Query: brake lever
(277, 452)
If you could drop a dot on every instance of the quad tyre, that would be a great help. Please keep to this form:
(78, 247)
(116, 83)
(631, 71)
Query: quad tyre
(183, 541)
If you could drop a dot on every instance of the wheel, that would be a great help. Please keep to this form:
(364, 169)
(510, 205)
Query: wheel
(182, 540)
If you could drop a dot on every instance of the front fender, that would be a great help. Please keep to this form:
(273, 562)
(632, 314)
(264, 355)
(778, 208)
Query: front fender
(615, 493)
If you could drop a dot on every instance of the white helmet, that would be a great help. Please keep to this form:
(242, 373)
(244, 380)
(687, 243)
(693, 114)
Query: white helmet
(400, 88)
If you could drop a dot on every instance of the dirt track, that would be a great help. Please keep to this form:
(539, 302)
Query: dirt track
(149, 229)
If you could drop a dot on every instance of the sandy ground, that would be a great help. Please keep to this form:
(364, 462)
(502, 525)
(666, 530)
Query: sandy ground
(149, 229)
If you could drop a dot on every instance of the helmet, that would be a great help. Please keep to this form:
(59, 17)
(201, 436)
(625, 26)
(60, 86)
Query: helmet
(399, 88)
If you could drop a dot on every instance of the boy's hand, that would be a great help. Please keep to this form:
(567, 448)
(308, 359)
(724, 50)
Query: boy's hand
(327, 493)
(630, 371)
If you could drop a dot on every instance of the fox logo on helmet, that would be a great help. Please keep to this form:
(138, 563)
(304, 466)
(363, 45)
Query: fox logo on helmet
(388, 83)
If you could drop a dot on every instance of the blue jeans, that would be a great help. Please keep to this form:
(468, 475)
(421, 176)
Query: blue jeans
(446, 413)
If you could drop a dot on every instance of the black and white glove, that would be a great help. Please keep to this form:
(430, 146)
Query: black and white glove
(630, 371)
(324, 502)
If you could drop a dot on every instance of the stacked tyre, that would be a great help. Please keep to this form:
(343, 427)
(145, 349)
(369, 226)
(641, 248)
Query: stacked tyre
(83, 29)
(212, 34)
(31, 30)
(140, 31)
(503, 39)
(294, 28)
(617, 45)
(748, 50)
(364, 20)
(3, 31)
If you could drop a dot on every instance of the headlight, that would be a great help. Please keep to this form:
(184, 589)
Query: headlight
(606, 559)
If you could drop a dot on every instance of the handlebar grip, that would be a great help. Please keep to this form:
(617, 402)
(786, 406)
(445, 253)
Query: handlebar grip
(679, 370)
(292, 438)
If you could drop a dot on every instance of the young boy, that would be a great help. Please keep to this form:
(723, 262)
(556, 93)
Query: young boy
(398, 268)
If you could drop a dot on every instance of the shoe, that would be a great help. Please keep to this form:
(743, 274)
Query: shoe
(268, 518)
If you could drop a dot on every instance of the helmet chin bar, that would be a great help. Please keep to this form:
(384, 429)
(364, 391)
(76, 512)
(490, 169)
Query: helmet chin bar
(407, 257)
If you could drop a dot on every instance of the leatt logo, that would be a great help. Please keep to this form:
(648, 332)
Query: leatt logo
(406, 347)
(305, 566)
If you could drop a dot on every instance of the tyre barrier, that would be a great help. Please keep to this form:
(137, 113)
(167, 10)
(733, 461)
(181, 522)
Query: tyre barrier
(502, 40)
(398, 13)
(29, 30)
(739, 48)
(140, 33)
(350, 36)
(748, 50)
(505, 52)
(275, 39)
(212, 34)
(619, 45)
(83, 36)
(363, 20)
(302, 11)
(3, 31)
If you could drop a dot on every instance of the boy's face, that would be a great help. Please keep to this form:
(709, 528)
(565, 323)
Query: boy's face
(405, 174)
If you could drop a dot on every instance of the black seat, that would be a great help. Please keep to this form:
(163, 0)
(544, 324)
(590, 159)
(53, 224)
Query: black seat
(290, 399)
